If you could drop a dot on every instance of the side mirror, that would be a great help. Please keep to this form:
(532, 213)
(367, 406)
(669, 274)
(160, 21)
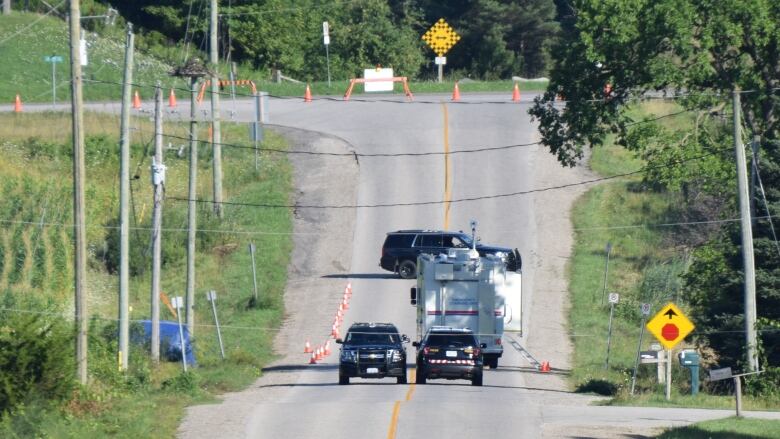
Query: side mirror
(339, 341)
(416, 344)
(483, 345)
(413, 295)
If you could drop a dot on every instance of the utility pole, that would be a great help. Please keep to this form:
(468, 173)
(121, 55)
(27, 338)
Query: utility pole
(6, 7)
(124, 203)
(79, 222)
(216, 133)
(748, 258)
(158, 181)
(193, 70)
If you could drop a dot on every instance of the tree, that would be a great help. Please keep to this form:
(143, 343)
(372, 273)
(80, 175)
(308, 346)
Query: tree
(702, 49)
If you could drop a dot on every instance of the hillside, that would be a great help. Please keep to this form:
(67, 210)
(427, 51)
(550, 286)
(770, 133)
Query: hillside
(26, 39)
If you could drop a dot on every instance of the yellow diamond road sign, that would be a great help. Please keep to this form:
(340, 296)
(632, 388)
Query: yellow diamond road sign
(670, 326)
(441, 37)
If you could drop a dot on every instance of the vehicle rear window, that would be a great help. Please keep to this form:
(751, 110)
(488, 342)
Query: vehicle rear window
(399, 241)
(451, 340)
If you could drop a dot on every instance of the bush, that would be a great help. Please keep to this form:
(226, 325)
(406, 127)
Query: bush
(36, 359)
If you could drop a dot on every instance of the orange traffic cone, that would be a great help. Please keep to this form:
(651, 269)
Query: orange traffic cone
(334, 332)
(516, 93)
(18, 104)
(456, 93)
(136, 101)
(345, 303)
(307, 348)
(327, 347)
(318, 353)
(172, 99)
(313, 359)
(349, 289)
(307, 95)
(545, 366)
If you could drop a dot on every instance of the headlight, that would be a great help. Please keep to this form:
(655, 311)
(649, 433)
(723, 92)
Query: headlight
(395, 355)
(348, 356)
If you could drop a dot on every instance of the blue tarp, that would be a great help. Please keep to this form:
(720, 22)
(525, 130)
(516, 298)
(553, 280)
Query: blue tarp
(170, 344)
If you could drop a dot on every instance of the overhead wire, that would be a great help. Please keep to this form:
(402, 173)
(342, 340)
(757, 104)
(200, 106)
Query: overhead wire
(36, 21)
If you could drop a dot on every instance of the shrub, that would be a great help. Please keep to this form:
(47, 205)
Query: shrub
(36, 359)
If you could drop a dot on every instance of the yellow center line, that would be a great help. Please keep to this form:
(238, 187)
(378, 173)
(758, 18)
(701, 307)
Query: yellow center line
(394, 420)
(412, 378)
(447, 173)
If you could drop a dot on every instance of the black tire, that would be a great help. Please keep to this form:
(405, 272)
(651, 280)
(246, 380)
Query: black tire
(407, 269)
(491, 362)
(401, 379)
(343, 379)
(420, 378)
(476, 380)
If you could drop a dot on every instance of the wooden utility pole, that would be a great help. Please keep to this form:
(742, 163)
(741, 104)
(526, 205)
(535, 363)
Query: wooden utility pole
(216, 132)
(191, 212)
(748, 258)
(6, 7)
(158, 181)
(79, 221)
(124, 203)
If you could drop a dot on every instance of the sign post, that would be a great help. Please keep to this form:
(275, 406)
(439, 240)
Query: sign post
(645, 313)
(613, 300)
(178, 303)
(211, 296)
(53, 59)
(670, 327)
(441, 37)
(326, 40)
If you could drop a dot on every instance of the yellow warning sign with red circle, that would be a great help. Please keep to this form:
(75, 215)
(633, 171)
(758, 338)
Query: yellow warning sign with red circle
(670, 326)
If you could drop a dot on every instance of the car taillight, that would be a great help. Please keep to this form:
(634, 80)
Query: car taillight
(426, 350)
(498, 341)
(477, 352)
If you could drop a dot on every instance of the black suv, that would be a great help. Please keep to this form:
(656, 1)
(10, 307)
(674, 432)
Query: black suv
(401, 249)
(451, 353)
(372, 350)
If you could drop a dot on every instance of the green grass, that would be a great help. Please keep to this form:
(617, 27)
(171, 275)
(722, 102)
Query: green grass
(729, 428)
(35, 174)
(24, 70)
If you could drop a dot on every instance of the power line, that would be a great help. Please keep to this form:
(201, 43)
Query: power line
(459, 200)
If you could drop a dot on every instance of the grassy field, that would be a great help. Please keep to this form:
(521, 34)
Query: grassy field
(36, 273)
(729, 428)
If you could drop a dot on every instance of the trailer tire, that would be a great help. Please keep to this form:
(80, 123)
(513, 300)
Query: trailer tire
(491, 362)
(343, 379)
(476, 380)
(407, 269)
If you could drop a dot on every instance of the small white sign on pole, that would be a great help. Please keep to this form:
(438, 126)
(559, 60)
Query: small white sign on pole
(614, 297)
(440, 60)
(83, 51)
(378, 73)
(325, 33)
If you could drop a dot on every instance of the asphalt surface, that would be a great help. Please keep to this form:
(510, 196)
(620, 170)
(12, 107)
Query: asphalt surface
(340, 245)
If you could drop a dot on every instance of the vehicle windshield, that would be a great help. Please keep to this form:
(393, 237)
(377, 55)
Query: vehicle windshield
(450, 340)
(371, 338)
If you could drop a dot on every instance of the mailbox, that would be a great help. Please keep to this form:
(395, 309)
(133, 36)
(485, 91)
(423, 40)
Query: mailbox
(690, 359)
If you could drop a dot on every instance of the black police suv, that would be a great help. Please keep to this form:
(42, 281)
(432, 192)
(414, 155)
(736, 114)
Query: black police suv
(372, 350)
(401, 249)
(450, 353)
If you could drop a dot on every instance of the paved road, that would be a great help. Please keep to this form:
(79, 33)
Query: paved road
(333, 246)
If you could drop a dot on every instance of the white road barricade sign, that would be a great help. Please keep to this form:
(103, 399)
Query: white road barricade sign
(378, 73)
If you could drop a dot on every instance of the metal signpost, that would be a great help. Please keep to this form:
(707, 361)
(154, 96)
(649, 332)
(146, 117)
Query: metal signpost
(178, 304)
(326, 40)
(211, 296)
(53, 59)
(614, 298)
(645, 313)
(724, 374)
(670, 327)
(441, 37)
(608, 250)
(254, 270)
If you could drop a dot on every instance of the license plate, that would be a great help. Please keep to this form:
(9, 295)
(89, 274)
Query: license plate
(372, 370)
(452, 354)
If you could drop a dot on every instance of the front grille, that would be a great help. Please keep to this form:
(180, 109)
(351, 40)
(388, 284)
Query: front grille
(371, 356)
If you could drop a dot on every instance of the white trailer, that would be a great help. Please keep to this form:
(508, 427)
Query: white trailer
(463, 290)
